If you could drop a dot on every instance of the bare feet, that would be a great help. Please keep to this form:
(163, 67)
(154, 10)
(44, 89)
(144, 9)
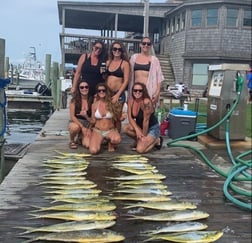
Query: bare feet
(111, 147)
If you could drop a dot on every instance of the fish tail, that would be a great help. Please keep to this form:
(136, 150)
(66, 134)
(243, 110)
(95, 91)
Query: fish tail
(131, 206)
(34, 216)
(28, 229)
(149, 239)
(37, 208)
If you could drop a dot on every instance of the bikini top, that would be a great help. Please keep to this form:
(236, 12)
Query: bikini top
(99, 116)
(142, 67)
(117, 73)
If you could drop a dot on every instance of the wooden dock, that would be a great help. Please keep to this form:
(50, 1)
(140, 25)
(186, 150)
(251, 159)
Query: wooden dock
(187, 177)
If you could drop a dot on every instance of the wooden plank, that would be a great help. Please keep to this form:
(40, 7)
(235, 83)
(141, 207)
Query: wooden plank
(187, 177)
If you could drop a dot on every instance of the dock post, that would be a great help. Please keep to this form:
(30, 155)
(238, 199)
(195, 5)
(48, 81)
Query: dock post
(2, 54)
(47, 69)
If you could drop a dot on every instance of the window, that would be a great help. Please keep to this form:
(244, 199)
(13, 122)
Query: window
(196, 17)
(182, 24)
(232, 17)
(212, 16)
(178, 24)
(247, 21)
(173, 25)
(168, 27)
(200, 74)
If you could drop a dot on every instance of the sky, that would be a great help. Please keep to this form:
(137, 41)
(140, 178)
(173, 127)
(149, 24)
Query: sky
(34, 23)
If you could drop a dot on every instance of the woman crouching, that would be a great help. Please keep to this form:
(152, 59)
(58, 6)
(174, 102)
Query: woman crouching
(143, 126)
(80, 116)
(104, 117)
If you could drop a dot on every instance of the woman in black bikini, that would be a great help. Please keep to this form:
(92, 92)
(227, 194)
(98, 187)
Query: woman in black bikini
(80, 116)
(104, 116)
(143, 126)
(118, 71)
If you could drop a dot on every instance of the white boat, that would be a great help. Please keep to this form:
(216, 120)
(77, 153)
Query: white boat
(30, 73)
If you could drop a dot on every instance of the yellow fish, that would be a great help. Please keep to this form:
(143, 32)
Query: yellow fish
(189, 237)
(183, 215)
(84, 236)
(142, 197)
(171, 205)
(139, 177)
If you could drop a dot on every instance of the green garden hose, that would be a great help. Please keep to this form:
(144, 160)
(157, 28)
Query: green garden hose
(239, 170)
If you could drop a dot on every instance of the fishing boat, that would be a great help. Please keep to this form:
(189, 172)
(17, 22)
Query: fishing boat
(29, 74)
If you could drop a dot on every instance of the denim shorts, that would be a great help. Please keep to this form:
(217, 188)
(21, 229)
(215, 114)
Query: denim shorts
(154, 131)
(122, 97)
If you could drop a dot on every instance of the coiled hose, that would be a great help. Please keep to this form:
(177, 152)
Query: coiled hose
(240, 170)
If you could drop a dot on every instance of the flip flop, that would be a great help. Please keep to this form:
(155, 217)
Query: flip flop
(73, 145)
(159, 146)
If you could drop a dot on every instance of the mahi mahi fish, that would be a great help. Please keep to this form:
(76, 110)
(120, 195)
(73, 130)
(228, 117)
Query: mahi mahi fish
(140, 182)
(74, 191)
(183, 215)
(86, 236)
(171, 205)
(144, 186)
(152, 191)
(70, 226)
(189, 237)
(78, 155)
(139, 177)
(178, 227)
(86, 206)
(71, 187)
(142, 197)
(78, 216)
(137, 171)
(66, 174)
(61, 166)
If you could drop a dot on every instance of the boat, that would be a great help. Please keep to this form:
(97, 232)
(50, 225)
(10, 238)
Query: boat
(28, 75)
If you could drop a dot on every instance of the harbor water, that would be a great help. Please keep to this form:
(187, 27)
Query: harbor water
(24, 128)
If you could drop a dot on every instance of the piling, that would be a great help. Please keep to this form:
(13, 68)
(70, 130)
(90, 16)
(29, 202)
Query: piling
(2, 109)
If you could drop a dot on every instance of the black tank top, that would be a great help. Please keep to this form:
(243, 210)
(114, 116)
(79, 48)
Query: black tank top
(139, 119)
(91, 74)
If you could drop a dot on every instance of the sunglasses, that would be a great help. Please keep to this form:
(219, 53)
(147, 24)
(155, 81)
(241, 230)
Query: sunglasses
(146, 43)
(101, 90)
(117, 49)
(83, 87)
(138, 90)
(97, 48)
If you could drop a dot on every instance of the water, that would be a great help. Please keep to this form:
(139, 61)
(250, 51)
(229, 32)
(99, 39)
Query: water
(24, 128)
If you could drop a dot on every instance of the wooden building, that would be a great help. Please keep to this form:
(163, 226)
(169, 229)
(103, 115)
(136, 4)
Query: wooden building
(189, 35)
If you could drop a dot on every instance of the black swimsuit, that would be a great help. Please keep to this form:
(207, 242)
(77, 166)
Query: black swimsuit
(142, 67)
(117, 73)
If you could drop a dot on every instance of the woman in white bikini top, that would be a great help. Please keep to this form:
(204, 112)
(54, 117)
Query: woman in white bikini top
(104, 115)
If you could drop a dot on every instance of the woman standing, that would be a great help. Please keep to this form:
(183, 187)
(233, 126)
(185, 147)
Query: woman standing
(146, 69)
(89, 67)
(117, 70)
(104, 117)
(80, 112)
(143, 126)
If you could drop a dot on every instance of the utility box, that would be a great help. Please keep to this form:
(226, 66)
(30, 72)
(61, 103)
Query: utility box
(222, 94)
(181, 123)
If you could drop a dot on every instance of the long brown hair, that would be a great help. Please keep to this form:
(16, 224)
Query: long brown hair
(114, 108)
(77, 98)
(145, 91)
(124, 54)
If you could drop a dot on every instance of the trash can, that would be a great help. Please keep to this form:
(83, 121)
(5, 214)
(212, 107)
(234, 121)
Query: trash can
(181, 123)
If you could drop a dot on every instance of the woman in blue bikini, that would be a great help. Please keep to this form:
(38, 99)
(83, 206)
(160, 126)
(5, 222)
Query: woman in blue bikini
(104, 117)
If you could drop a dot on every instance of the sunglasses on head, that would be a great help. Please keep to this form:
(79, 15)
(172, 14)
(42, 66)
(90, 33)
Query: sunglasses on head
(137, 90)
(101, 90)
(144, 43)
(117, 49)
(97, 48)
(83, 87)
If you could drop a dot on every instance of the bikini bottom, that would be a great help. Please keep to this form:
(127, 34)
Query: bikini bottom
(103, 133)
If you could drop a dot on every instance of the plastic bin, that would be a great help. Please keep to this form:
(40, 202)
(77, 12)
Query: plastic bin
(181, 123)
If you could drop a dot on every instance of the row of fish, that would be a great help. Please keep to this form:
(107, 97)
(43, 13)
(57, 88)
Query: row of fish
(145, 188)
(86, 215)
